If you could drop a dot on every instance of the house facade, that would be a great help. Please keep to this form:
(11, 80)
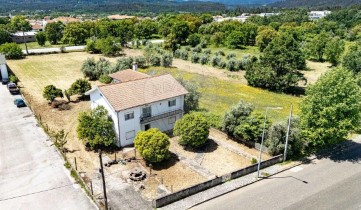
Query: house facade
(20, 37)
(141, 104)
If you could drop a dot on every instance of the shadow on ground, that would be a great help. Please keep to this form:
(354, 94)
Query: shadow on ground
(345, 151)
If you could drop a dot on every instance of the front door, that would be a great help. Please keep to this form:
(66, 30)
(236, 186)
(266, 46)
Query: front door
(147, 127)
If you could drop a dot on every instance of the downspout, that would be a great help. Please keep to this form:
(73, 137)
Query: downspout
(120, 142)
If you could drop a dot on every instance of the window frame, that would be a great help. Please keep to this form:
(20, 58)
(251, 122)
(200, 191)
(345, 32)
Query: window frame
(131, 114)
(172, 103)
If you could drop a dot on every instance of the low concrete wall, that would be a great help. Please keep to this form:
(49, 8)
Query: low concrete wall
(170, 198)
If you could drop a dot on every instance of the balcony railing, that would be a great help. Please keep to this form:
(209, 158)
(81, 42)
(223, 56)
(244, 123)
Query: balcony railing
(147, 119)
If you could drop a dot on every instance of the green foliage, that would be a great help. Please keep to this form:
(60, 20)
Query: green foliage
(265, 37)
(141, 61)
(90, 46)
(334, 50)
(235, 40)
(144, 29)
(41, 38)
(215, 60)
(254, 161)
(331, 108)
(96, 128)
(107, 46)
(352, 59)
(14, 79)
(123, 63)
(89, 69)
(317, 46)
(4, 35)
(191, 100)
(11, 51)
(251, 128)
(152, 145)
(236, 116)
(54, 32)
(204, 59)
(218, 38)
(192, 129)
(50, 92)
(194, 39)
(276, 138)
(232, 65)
(195, 57)
(19, 23)
(105, 79)
(80, 86)
(166, 59)
(78, 32)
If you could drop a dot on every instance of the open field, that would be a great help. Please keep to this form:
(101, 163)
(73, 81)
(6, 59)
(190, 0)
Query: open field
(35, 45)
(249, 50)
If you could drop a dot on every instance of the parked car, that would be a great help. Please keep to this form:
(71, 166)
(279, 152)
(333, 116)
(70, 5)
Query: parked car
(5, 81)
(13, 88)
(19, 102)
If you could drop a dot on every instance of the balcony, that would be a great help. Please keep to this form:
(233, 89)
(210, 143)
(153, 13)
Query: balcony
(150, 118)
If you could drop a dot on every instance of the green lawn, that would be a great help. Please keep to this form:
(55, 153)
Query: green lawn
(219, 95)
(249, 50)
(35, 45)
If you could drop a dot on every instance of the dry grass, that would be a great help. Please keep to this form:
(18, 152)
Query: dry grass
(316, 69)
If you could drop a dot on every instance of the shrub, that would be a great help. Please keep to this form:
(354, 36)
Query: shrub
(107, 46)
(207, 51)
(184, 55)
(105, 79)
(96, 128)
(103, 66)
(64, 107)
(177, 53)
(152, 145)
(188, 48)
(197, 49)
(194, 39)
(141, 61)
(220, 53)
(166, 59)
(11, 51)
(191, 100)
(123, 63)
(41, 38)
(14, 79)
(236, 116)
(204, 59)
(89, 69)
(195, 57)
(80, 86)
(90, 46)
(192, 129)
(50, 92)
(215, 61)
(222, 65)
(254, 161)
(251, 128)
(154, 60)
(232, 65)
(230, 55)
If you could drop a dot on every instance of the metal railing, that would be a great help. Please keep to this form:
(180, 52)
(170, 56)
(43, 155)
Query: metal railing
(151, 118)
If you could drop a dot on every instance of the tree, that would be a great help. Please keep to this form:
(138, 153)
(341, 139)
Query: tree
(54, 32)
(96, 128)
(107, 46)
(152, 145)
(251, 128)
(144, 29)
(80, 86)
(317, 46)
(331, 108)
(123, 63)
(181, 31)
(276, 138)
(194, 39)
(11, 51)
(191, 100)
(352, 59)
(334, 50)
(50, 92)
(236, 116)
(218, 38)
(19, 23)
(75, 33)
(265, 37)
(192, 130)
(89, 69)
(41, 38)
(4, 35)
(235, 40)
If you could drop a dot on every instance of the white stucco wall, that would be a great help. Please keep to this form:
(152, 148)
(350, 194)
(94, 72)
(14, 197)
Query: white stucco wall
(97, 99)
(4, 71)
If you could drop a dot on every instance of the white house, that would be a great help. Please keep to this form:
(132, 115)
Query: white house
(315, 15)
(3, 68)
(138, 104)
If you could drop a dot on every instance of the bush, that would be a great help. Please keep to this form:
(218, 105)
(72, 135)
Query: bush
(254, 161)
(204, 59)
(152, 145)
(166, 59)
(80, 86)
(195, 57)
(11, 51)
(207, 51)
(192, 129)
(90, 46)
(220, 53)
(232, 65)
(222, 65)
(194, 39)
(197, 49)
(215, 61)
(107, 46)
(188, 48)
(41, 38)
(89, 69)
(14, 79)
(50, 92)
(96, 128)
(230, 55)
(141, 61)
(154, 60)
(191, 100)
(123, 63)
(105, 79)
(64, 107)
(236, 116)
(251, 128)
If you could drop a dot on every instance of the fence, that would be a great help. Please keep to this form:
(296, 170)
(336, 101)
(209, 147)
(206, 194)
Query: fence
(170, 198)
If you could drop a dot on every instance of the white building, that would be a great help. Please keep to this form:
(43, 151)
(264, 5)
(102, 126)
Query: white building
(315, 15)
(140, 102)
(3, 69)
(20, 37)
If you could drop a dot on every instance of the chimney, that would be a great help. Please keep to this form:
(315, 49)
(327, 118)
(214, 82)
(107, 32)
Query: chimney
(135, 66)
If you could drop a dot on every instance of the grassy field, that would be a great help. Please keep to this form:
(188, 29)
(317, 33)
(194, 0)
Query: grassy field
(220, 95)
(35, 45)
(249, 50)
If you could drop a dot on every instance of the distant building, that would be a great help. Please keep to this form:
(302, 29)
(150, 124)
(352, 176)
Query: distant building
(242, 18)
(269, 14)
(315, 15)
(20, 37)
(120, 17)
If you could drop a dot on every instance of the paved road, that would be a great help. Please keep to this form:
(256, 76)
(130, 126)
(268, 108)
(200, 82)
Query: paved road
(328, 183)
(32, 175)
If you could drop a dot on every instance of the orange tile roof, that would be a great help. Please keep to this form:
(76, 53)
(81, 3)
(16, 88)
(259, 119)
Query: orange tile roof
(128, 75)
(135, 93)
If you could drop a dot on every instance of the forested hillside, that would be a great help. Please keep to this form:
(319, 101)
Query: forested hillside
(316, 3)
(128, 6)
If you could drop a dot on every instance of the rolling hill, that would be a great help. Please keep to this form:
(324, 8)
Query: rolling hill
(315, 3)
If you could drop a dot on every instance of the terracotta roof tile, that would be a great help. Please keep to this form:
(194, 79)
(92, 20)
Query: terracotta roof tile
(128, 75)
(135, 93)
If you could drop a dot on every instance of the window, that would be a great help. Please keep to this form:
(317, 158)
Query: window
(172, 103)
(171, 120)
(130, 135)
(147, 112)
(129, 116)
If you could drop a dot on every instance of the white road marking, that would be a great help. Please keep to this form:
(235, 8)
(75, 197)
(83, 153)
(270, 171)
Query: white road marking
(296, 169)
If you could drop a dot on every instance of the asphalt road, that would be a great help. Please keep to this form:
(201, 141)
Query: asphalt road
(32, 174)
(325, 183)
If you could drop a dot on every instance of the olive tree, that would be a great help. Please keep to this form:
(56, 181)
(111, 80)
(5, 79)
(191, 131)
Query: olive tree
(50, 92)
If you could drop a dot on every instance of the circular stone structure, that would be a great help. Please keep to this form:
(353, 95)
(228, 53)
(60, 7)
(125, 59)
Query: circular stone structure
(137, 175)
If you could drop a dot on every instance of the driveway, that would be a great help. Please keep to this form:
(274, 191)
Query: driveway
(32, 174)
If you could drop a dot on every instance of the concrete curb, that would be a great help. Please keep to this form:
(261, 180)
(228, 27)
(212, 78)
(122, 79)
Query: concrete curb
(260, 179)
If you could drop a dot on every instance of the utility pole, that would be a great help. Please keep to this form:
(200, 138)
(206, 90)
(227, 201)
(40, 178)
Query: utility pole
(260, 153)
(288, 133)
(102, 172)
